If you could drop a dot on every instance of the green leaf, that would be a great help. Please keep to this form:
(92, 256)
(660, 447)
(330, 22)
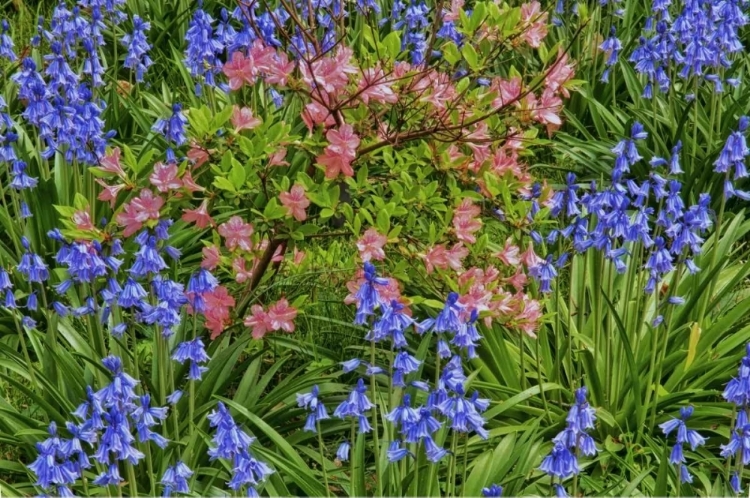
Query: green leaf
(237, 175)
(472, 59)
(224, 184)
(451, 53)
(392, 43)
(383, 221)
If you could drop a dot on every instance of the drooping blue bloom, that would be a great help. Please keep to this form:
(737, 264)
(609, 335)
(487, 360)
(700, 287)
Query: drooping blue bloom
(317, 409)
(355, 406)
(193, 351)
(342, 453)
(203, 48)
(6, 42)
(173, 127)
(232, 443)
(684, 435)
(31, 265)
(20, 179)
(132, 295)
(137, 58)
(367, 296)
(396, 452)
(494, 491)
(562, 462)
(175, 478)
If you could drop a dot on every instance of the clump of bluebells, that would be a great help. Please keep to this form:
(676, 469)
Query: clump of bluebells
(574, 440)
(737, 392)
(613, 219)
(109, 422)
(683, 435)
(421, 408)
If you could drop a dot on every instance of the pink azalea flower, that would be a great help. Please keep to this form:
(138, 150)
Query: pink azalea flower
(455, 13)
(278, 70)
(277, 158)
(547, 110)
(528, 319)
(243, 119)
(148, 205)
(282, 316)
(110, 192)
(218, 302)
(189, 184)
(111, 163)
(370, 245)
(465, 221)
(259, 321)
(262, 55)
(130, 219)
(141, 209)
(278, 254)
(236, 234)
(197, 155)
(199, 215)
(330, 74)
(296, 202)
(376, 86)
(211, 257)
(478, 140)
(240, 70)
(82, 220)
(510, 254)
(507, 91)
(477, 299)
(560, 73)
(530, 259)
(316, 113)
(164, 177)
(241, 274)
(298, 256)
(340, 152)
(435, 258)
(518, 280)
(534, 23)
(455, 255)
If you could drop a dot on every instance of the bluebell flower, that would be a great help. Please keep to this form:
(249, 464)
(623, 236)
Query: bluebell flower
(355, 405)
(736, 483)
(448, 318)
(137, 45)
(562, 462)
(173, 128)
(195, 352)
(203, 48)
(175, 478)
(351, 365)
(397, 453)
(32, 266)
(404, 414)
(737, 390)
(317, 409)
(560, 491)
(342, 453)
(6, 42)
(174, 397)
(494, 491)
(132, 295)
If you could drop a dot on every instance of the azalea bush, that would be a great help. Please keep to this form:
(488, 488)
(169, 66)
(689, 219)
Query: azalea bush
(180, 214)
